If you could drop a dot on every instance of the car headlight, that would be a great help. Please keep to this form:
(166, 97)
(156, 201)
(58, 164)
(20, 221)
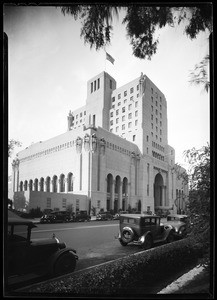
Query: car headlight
(176, 229)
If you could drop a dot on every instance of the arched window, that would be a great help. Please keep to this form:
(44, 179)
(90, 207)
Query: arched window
(42, 184)
(70, 182)
(54, 183)
(48, 184)
(62, 183)
(30, 184)
(36, 184)
(21, 186)
(25, 185)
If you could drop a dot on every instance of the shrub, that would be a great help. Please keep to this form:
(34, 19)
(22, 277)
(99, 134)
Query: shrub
(123, 275)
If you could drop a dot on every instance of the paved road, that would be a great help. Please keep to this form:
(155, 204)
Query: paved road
(94, 241)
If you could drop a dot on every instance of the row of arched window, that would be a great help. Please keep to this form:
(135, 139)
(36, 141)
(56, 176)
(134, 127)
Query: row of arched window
(48, 184)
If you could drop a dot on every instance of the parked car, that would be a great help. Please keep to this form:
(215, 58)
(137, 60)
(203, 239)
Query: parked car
(143, 230)
(56, 217)
(179, 223)
(45, 256)
(82, 216)
(117, 215)
(104, 216)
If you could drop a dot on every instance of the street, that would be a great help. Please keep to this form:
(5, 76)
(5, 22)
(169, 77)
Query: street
(94, 241)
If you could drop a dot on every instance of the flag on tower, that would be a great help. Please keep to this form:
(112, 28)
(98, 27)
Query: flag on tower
(110, 58)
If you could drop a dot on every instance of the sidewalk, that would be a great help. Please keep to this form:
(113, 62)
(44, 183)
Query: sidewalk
(196, 281)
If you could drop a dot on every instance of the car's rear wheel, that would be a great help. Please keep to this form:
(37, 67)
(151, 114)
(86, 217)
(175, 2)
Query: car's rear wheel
(148, 242)
(170, 238)
(65, 264)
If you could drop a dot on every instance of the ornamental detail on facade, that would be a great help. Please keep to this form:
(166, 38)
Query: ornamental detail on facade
(78, 144)
(15, 163)
(87, 142)
(93, 142)
(102, 143)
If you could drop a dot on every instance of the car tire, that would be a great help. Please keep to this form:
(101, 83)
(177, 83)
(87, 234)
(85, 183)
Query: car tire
(148, 242)
(170, 238)
(123, 243)
(65, 264)
(127, 234)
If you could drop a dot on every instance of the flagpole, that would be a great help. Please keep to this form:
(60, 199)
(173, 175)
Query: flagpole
(105, 59)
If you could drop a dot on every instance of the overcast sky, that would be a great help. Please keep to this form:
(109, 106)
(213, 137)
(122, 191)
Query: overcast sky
(49, 66)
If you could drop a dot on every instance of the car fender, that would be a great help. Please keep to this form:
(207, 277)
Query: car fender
(143, 237)
(167, 231)
(57, 254)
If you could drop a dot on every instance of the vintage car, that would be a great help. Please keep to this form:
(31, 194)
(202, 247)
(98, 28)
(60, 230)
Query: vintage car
(40, 257)
(143, 230)
(179, 223)
(56, 217)
(104, 216)
(82, 216)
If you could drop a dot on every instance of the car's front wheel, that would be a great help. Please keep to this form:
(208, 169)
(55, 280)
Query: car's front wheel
(170, 238)
(148, 242)
(65, 264)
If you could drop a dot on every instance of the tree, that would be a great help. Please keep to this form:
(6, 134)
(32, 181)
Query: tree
(199, 196)
(11, 145)
(200, 74)
(141, 23)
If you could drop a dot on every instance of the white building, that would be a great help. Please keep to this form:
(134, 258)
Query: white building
(114, 155)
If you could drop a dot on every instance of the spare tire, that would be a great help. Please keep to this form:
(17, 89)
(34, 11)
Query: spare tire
(127, 234)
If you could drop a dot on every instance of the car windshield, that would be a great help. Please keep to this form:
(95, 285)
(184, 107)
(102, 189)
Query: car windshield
(18, 231)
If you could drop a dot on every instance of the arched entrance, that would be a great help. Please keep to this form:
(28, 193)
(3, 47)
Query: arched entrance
(117, 193)
(158, 191)
(124, 193)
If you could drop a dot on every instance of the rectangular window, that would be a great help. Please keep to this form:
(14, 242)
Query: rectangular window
(157, 120)
(152, 90)
(136, 113)
(152, 126)
(119, 103)
(156, 103)
(131, 98)
(125, 100)
(147, 138)
(123, 109)
(113, 99)
(91, 87)
(130, 116)
(63, 203)
(80, 114)
(161, 115)
(152, 108)
(160, 99)
(160, 123)
(117, 120)
(152, 99)
(152, 117)
(111, 114)
(94, 85)
(48, 202)
(77, 204)
(134, 137)
(98, 82)
(136, 104)
(117, 112)
(136, 122)
(117, 128)
(125, 93)
(119, 96)
(85, 113)
(131, 90)
(137, 87)
(123, 118)
(129, 106)
(129, 125)
(160, 106)
(123, 127)
(111, 122)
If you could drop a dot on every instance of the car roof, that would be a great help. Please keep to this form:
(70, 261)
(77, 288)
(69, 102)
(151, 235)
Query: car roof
(20, 221)
(138, 216)
(176, 215)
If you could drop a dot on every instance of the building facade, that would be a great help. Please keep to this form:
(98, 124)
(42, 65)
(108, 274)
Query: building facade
(113, 156)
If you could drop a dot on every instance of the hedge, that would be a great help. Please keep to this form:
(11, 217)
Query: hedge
(124, 274)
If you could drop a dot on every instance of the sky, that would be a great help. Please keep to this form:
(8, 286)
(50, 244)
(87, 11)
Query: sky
(49, 66)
